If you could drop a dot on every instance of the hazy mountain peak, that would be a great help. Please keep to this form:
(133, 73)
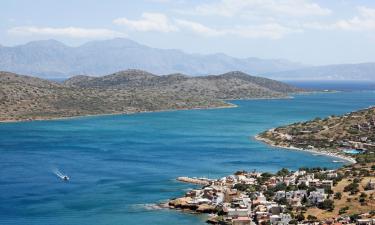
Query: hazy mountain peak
(108, 56)
(112, 43)
(50, 43)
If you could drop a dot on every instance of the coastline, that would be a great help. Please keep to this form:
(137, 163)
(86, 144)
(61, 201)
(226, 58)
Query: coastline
(229, 105)
(348, 159)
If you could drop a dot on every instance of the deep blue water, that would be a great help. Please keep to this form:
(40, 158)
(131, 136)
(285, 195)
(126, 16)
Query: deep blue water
(118, 163)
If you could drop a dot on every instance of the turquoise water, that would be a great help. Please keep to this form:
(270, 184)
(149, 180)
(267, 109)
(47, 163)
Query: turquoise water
(119, 163)
(352, 151)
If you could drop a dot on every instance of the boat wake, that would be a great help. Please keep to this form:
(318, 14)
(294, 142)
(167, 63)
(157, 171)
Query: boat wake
(60, 175)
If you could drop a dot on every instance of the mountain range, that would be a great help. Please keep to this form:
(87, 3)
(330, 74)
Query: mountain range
(53, 59)
(130, 91)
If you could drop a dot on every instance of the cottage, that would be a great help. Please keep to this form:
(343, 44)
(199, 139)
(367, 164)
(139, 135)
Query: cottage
(365, 222)
(331, 175)
(316, 197)
(370, 185)
(327, 184)
(245, 220)
(234, 213)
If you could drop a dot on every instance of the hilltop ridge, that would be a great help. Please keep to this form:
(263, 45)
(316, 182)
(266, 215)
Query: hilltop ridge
(129, 91)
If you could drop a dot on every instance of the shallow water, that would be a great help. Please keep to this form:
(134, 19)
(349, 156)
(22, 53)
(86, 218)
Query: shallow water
(120, 165)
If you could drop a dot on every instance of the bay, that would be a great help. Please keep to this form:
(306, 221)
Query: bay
(120, 165)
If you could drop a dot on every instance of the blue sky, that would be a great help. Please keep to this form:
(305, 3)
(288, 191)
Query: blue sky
(309, 31)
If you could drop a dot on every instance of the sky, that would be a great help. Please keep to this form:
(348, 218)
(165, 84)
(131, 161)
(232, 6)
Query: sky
(313, 32)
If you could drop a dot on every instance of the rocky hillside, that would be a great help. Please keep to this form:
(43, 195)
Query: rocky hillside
(25, 97)
(354, 130)
(232, 85)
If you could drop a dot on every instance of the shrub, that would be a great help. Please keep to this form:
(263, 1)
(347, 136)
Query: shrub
(327, 205)
(352, 188)
(300, 217)
(338, 195)
(312, 218)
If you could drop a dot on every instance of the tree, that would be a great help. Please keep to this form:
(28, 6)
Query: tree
(282, 201)
(352, 188)
(312, 218)
(303, 186)
(338, 195)
(343, 210)
(362, 198)
(283, 172)
(304, 200)
(241, 187)
(327, 205)
(300, 217)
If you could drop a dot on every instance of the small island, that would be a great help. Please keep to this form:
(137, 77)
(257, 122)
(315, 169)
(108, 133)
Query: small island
(126, 92)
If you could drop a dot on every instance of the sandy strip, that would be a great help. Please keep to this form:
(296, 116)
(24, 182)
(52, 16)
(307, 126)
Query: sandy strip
(314, 151)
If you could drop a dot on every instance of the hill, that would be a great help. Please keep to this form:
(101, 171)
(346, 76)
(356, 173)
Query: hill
(53, 59)
(131, 91)
(335, 134)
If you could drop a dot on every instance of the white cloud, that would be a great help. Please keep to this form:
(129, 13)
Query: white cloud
(262, 8)
(148, 22)
(364, 21)
(269, 31)
(72, 32)
(199, 28)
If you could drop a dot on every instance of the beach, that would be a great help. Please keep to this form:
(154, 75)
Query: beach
(313, 150)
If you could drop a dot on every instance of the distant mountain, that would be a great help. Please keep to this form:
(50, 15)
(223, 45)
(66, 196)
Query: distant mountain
(130, 91)
(362, 71)
(53, 59)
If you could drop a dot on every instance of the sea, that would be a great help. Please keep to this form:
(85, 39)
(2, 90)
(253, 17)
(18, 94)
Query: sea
(122, 166)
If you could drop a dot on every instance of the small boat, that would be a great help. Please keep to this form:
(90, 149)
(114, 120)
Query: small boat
(63, 177)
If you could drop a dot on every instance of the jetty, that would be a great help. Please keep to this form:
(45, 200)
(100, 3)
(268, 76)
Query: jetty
(194, 180)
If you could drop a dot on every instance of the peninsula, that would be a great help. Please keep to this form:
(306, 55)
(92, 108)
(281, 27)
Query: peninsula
(350, 136)
(305, 196)
(130, 91)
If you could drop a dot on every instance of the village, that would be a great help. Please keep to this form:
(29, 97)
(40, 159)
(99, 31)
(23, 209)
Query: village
(306, 196)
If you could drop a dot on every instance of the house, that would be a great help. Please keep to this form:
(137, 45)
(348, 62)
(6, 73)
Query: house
(370, 185)
(365, 221)
(331, 175)
(275, 209)
(282, 219)
(279, 195)
(234, 213)
(299, 173)
(243, 220)
(289, 180)
(314, 183)
(317, 197)
(300, 193)
(327, 184)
